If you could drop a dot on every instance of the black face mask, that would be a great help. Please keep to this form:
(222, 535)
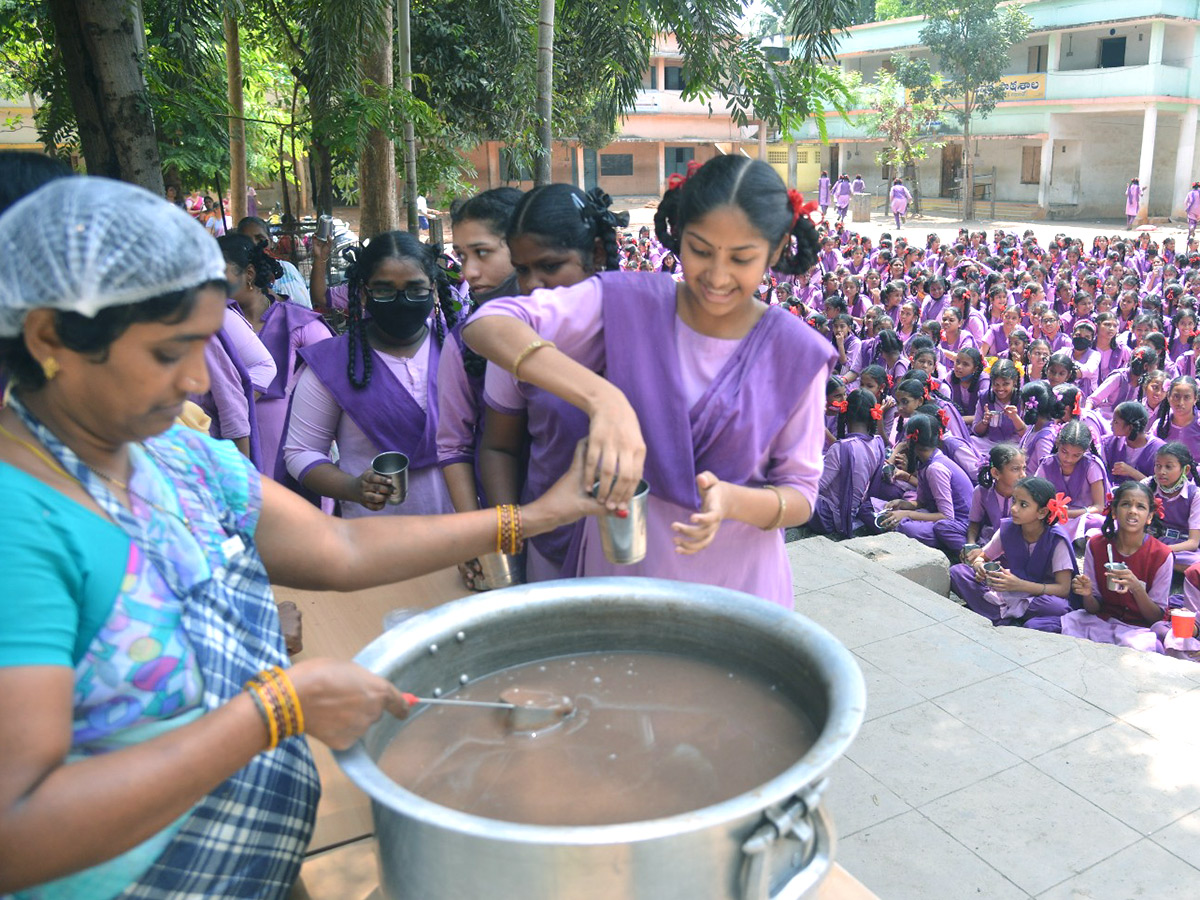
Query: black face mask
(400, 319)
(1081, 343)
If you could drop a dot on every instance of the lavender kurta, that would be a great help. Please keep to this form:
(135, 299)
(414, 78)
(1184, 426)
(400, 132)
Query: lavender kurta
(1038, 562)
(1133, 199)
(1035, 443)
(823, 191)
(851, 466)
(941, 487)
(1078, 486)
(755, 415)
(1114, 449)
(988, 508)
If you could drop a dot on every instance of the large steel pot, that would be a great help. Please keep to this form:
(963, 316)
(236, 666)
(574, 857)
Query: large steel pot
(772, 842)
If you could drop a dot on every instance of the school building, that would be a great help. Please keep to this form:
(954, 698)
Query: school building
(1098, 93)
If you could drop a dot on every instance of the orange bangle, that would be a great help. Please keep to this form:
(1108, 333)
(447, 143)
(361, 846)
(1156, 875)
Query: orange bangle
(267, 717)
(285, 680)
(499, 529)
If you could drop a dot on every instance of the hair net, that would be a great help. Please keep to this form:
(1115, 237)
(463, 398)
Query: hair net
(84, 244)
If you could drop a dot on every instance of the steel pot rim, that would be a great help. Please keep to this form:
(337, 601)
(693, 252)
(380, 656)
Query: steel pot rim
(846, 691)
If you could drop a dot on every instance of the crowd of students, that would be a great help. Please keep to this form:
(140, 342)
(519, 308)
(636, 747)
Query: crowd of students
(1007, 402)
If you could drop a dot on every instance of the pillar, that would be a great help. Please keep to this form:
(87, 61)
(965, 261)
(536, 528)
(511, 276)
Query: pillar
(1146, 161)
(762, 140)
(662, 166)
(1184, 159)
(579, 179)
(493, 164)
(1053, 51)
(1044, 175)
(660, 65)
(791, 179)
(1158, 32)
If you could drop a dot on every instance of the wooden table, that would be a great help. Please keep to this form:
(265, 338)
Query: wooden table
(339, 625)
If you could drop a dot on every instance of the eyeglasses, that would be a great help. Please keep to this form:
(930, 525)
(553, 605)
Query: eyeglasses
(412, 295)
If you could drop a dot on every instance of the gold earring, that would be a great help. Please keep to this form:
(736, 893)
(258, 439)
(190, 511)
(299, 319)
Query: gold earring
(51, 368)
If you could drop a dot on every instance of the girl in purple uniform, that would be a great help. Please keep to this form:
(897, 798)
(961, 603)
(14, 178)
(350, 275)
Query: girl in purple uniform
(1039, 409)
(992, 498)
(1032, 587)
(1175, 488)
(967, 382)
(997, 418)
(852, 466)
(938, 516)
(1129, 452)
(1074, 470)
(1177, 420)
(726, 391)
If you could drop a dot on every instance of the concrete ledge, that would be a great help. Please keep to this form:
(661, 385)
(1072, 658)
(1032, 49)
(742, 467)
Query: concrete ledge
(907, 558)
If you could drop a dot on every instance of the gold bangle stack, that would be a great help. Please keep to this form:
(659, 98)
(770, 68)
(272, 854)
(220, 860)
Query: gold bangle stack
(778, 520)
(278, 704)
(533, 347)
(510, 536)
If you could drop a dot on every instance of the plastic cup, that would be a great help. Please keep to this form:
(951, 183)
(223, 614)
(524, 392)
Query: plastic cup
(393, 465)
(1115, 586)
(624, 539)
(1183, 623)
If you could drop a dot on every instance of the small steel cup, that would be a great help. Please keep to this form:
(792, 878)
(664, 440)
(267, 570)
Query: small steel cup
(624, 540)
(995, 417)
(881, 517)
(393, 466)
(992, 568)
(888, 473)
(1115, 586)
(501, 570)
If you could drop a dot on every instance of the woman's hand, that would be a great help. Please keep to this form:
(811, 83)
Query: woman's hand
(1081, 585)
(1012, 413)
(567, 500)
(341, 700)
(1004, 580)
(472, 575)
(1125, 579)
(701, 528)
(372, 489)
(321, 250)
(969, 556)
(616, 450)
(1123, 468)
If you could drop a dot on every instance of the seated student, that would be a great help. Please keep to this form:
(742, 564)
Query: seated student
(1121, 606)
(1177, 418)
(1129, 451)
(1177, 493)
(996, 416)
(1018, 347)
(967, 381)
(852, 465)
(1034, 588)
(1074, 469)
(962, 452)
(835, 400)
(846, 344)
(1039, 409)
(1069, 408)
(938, 515)
(879, 383)
(992, 497)
(1084, 356)
(1185, 364)
(996, 338)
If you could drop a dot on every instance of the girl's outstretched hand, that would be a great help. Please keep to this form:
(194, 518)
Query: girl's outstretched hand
(700, 529)
(616, 450)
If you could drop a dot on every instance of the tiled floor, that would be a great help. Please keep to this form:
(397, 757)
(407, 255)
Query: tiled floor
(998, 762)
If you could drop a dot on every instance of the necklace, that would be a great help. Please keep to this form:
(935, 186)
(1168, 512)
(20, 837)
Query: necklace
(116, 482)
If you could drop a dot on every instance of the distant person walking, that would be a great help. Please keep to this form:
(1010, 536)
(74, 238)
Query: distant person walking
(841, 196)
(900, 199)
(858, 186)
(823, 193)
(1191, 206)
(1133, 202)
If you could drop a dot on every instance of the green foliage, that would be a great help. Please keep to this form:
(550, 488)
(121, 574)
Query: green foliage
(907, 125)
(896, 9)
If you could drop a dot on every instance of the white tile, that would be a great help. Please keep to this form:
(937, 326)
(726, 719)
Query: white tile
(1021, 645)
(1175, 721)
(922, 753)
(1181, 837)
(856, 800)
(885, 695)
(910, 858)
(858, 614)
(1142, 870)
(935, 660)
(1144, 782)
(1116, 679)
(1017, 820)
(915, 595)
(1023, 713)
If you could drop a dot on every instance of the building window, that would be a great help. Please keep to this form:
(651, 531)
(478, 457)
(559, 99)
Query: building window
(676, 160)
(1112, 53)
(802, 157)
(673, 78)
(1031, 165)
(511, 170)
(1037, 58)
(777, 157)
(613, 164)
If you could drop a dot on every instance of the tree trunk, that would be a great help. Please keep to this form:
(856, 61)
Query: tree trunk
(404, 37)
(545, 90)
(283, 178)
(322, 172)
(377, 167)
(103, 47)
(237, 122)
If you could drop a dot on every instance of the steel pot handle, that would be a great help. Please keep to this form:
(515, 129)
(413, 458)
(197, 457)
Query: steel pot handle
(804, 821)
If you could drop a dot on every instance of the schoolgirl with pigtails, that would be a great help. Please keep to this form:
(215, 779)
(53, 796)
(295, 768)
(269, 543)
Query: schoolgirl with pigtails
(1177, 417)
(968, 380)
(1038, 409)
(936, 391)
(558, 237)
(1033, 586)
(374, 388)
(880, 384)
(1177, 491)
(961, 452)
(1130, 450)
(852, 467)
(712, 397)
(1127, 383)
(992, 497)
(997, 418)
(1126, 579)
(835, 403)
(937, 517)
(1075, 470)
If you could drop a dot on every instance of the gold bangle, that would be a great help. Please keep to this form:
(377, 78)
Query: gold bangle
(261, 706)
(778, 520)
(518, 531)
(295, 714)
(499, 529)
(532, 348)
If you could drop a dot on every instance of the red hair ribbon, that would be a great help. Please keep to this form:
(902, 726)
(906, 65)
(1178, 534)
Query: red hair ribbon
(876, 412)
(1158, 507)
(799, 207)
(840, 405)
(1075, 410)
(891, 382)
(913, 436)
(1058, 505)
(933, 385)
(1107, 504)
(944, 418)
(678, 180)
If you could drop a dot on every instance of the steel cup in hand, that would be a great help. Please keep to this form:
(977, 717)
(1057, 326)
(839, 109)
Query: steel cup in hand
(393, 466)
(624, 539)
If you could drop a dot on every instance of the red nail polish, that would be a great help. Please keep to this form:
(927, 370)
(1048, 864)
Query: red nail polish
(622, 514)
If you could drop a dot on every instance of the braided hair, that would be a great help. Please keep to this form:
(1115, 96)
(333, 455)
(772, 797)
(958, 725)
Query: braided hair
(241, 252)
(1134, 415)
(362, 261)
(563, 217)
(927, 430)
(1164, 407)
(757, 190)
(998, 457)
(1109, 528)
(858, 411)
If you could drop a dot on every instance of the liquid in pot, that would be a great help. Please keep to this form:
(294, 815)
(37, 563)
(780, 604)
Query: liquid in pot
(651, 735)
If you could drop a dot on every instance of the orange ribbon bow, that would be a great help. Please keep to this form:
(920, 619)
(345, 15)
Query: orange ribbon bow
(799, 207)
(840, 405)
(944, 418)
(1158, 507)
(678, 180)
(913, 436)
(1058, 506)
(1075, 410)
(876, 412)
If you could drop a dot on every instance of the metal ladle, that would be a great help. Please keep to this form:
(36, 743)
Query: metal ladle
(530, 711)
